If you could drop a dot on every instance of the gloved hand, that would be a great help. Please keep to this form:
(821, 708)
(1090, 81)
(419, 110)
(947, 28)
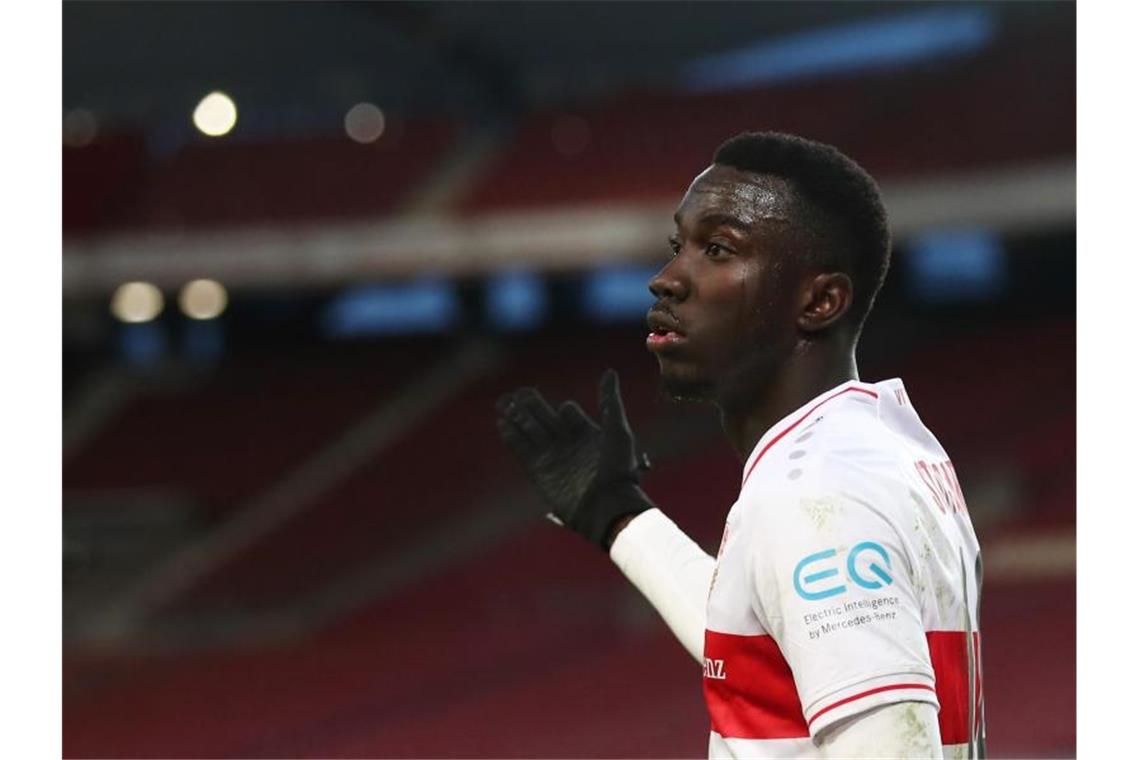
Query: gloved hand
(588, 473)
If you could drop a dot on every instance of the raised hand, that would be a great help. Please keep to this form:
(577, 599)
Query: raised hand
(588, 472)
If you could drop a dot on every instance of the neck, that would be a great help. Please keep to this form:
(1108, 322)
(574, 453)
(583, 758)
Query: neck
(806, 374)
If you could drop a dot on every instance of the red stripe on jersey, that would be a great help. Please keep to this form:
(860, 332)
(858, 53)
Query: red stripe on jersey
(866, 693)
(951, 669)
(793, 426)
(757, 697)
(751, 693)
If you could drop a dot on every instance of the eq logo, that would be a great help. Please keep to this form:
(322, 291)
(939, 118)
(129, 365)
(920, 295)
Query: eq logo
(868, 566)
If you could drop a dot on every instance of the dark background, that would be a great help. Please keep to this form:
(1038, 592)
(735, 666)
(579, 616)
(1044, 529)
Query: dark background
(290, 530)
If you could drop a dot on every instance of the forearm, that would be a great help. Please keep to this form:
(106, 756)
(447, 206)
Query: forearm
(670, 570)
(899, 730)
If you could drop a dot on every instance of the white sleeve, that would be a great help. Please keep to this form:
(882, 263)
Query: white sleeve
(834, 584)
(901, 729)
(671, 571)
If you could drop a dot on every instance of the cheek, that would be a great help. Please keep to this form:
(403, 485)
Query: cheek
(755, 298)
(765, 307)
(738, 308)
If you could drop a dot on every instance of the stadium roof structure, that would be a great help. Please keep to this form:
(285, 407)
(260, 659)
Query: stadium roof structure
(294, 68)
(149, 63)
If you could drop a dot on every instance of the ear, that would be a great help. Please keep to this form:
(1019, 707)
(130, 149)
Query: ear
(824, 300)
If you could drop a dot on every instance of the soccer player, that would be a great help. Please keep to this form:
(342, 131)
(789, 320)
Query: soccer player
(840, 616)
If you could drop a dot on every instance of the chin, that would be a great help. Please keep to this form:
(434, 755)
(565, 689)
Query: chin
(681, 385)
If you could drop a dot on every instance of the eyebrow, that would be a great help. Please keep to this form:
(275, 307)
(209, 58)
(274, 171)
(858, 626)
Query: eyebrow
(717, 220)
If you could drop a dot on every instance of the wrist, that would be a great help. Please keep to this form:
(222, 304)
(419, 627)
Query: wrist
(619, 505)
(617, 528)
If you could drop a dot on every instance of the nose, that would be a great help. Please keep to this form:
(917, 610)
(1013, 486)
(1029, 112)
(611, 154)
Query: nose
(671, 282)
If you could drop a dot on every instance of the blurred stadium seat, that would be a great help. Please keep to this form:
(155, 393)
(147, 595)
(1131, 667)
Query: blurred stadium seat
(313, 544)
(536, 608)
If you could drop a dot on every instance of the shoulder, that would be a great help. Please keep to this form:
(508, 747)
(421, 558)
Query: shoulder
(828, 452)
(845, 467)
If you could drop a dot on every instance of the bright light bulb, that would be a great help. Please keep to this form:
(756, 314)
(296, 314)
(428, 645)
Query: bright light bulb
(364, 123)
(136, 302)
(203, 299)
(216, 114)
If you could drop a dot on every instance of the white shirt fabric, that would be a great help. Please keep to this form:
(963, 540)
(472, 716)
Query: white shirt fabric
(847, 580)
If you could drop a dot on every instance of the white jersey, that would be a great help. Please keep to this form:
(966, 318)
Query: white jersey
(847, 578)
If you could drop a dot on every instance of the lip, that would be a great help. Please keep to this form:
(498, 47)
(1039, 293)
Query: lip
(660, 342)
(661, 321)
(665, 331)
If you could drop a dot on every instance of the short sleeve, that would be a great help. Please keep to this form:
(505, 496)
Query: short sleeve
(833, 584)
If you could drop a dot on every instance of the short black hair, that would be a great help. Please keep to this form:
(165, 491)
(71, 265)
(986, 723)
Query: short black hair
(843, 213)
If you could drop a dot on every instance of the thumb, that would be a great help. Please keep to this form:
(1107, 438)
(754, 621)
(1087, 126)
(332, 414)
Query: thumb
(609, 401)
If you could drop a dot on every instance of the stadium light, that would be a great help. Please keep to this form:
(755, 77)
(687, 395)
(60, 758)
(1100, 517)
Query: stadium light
(956, 264)
(136, 302)
(364, 123)
(79, 128)
(429, 304)
(617, 293)
(516, 300)
(216, 114)
(203, 299)
(909, 36)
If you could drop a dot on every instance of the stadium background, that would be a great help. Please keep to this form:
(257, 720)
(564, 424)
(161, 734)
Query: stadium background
(289, 529)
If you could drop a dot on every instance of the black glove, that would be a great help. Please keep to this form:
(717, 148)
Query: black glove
(588, 473)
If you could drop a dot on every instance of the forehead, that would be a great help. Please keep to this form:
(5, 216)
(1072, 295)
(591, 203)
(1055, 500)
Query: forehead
(747, 196)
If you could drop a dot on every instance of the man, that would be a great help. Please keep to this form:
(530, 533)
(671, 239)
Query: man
(839, 618)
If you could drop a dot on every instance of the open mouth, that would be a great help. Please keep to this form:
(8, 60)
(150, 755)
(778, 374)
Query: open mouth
(657, 341)
(661, 337)
(664, 331)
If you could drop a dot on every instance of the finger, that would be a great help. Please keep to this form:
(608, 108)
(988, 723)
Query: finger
(573, 419)
(533, 402)
(514, 438)
(506, 417)
(506, 401)
(522, 418)
(503, 402)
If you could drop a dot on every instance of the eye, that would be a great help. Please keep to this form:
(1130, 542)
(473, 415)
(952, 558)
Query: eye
(715, 250)
(674, 245)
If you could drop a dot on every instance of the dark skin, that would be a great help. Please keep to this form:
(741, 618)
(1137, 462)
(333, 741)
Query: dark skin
(761, 331)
